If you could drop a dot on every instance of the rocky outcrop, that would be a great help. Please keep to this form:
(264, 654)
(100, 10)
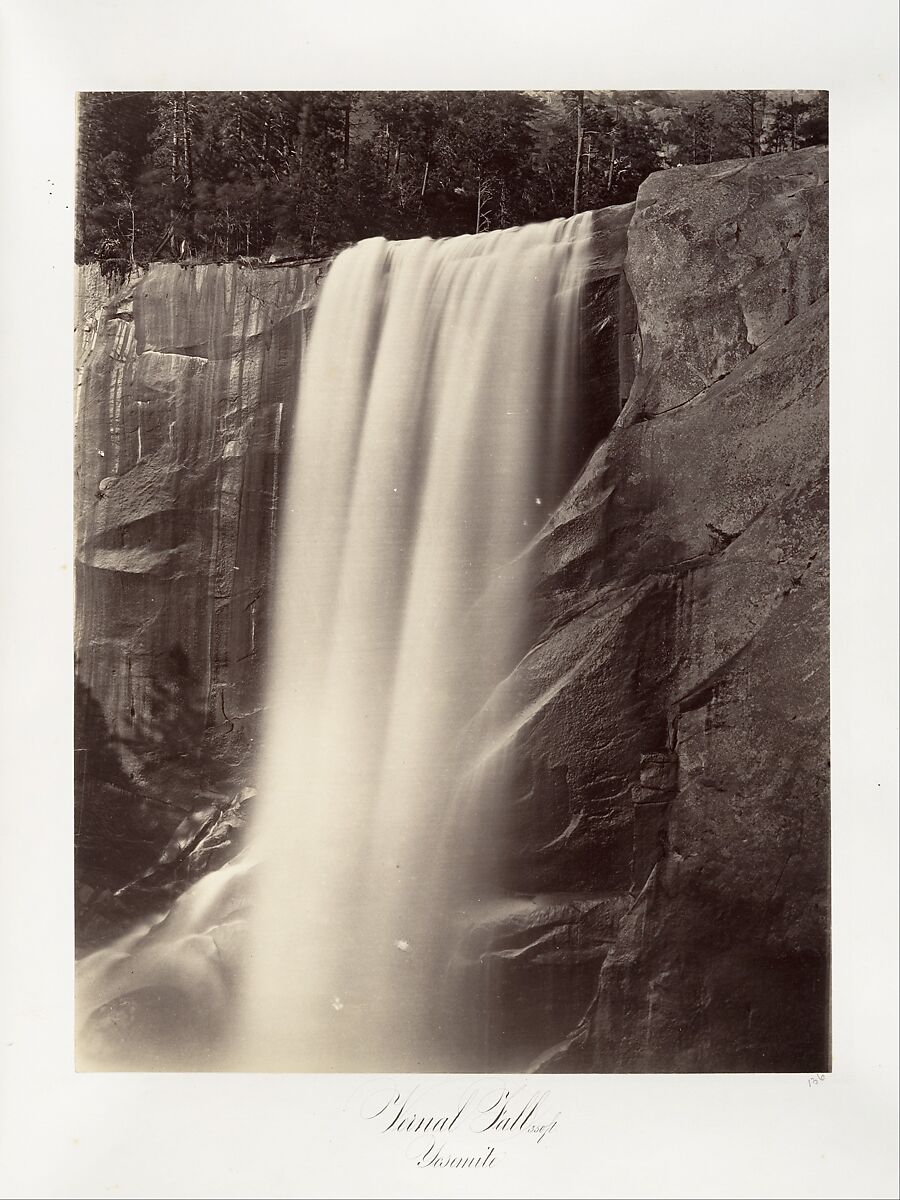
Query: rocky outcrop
(665, 852)
(677, 695)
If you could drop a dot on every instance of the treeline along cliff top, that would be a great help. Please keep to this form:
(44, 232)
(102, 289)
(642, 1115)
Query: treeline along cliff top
(219, 175)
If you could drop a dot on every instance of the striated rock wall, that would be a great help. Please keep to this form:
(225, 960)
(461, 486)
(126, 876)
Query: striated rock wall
(665, 854)
(187, 384)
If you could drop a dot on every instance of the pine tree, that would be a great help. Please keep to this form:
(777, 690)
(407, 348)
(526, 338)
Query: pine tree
(217, 175)
(115, 133)
(746, 120)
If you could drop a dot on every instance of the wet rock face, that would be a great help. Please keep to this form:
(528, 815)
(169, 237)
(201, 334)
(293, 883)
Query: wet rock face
(665, 849)
(677, 747)
(185, 400)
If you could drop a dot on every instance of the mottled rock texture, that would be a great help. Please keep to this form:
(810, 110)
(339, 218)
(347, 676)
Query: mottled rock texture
(187, 386)
(665, 852)
(676, 738)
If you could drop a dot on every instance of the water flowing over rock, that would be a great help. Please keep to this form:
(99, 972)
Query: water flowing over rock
(435, 419)
(660, 865)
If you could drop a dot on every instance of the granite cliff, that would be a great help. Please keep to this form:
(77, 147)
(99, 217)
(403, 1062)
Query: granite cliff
(187, 382)
(666, 852)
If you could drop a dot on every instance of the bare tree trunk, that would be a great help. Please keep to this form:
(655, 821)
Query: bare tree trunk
(579, 117)
(756, 111)
(751, 115)
(173, 245)
(424, 180)
(612, 153)
(612, 163)
(186, 142)
(304, 130)
(793, 111)
(314, 231)
(174, 139)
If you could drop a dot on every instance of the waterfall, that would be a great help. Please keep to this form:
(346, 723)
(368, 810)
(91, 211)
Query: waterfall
(432, 439)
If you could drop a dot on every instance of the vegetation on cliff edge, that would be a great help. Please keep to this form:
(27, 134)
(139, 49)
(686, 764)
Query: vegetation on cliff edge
(219, 175)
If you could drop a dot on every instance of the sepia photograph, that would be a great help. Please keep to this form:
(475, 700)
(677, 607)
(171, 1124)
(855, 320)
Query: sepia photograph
(452, 581)
(448, 633)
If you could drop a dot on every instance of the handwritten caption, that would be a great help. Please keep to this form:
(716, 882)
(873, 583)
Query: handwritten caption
(471, 1130)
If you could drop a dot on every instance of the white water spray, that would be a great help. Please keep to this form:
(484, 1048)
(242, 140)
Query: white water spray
(433, 410)
(431, 441)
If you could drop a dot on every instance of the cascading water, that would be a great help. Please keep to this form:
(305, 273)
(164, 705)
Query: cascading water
(433, 435)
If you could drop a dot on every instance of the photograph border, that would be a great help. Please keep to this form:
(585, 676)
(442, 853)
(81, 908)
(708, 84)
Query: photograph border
(136, 1135)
